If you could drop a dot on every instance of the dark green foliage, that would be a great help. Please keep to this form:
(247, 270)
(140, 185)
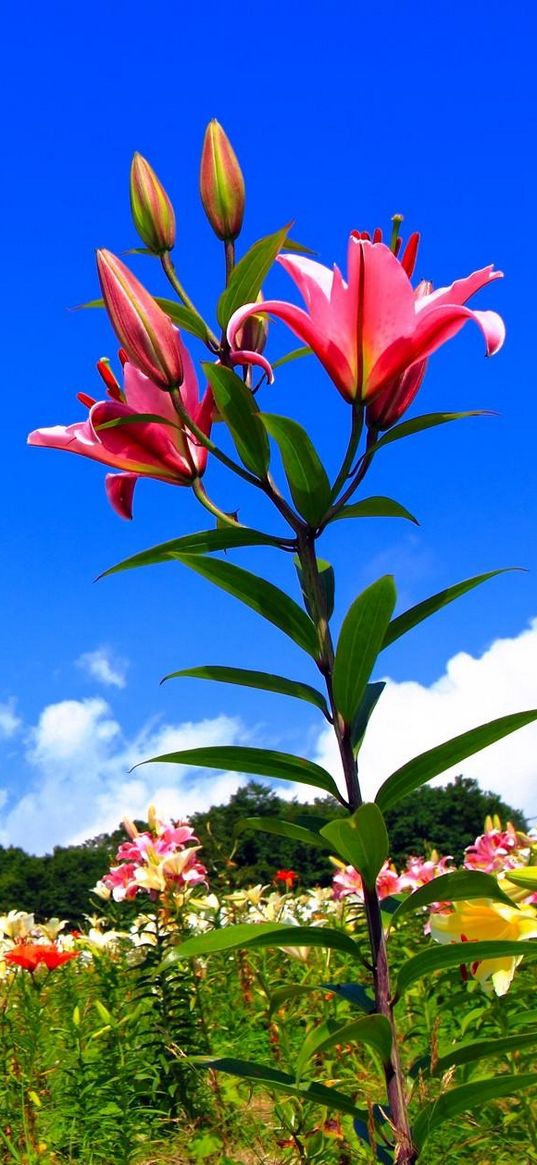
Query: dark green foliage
(447, 818)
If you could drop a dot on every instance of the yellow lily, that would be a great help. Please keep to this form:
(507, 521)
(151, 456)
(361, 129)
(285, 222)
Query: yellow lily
(483, 919)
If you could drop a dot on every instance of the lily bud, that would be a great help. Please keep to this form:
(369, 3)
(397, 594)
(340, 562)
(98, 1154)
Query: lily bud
(146, 333)
(152, 211)
(221, 183)
(252, 334)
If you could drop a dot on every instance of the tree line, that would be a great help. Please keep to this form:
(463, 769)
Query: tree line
(59, 884)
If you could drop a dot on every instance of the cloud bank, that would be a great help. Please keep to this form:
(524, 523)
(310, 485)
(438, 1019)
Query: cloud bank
(77, 757)
(411, 718)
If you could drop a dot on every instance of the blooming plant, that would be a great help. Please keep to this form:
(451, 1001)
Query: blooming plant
(373, 332)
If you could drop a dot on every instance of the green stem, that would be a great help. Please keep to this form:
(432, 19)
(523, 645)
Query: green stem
(213, 509)
(229, 246)
(406, 1154)
(171, 275)
(356, 432)
(363, 466)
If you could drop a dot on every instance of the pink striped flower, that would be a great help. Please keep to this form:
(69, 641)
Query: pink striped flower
(371, 329)
(163, 449)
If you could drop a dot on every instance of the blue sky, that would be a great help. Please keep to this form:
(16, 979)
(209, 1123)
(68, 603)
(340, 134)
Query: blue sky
(428, 111)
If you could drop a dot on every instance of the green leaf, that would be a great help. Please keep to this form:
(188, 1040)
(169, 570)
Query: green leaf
(483, 1049)
(278, 1081)
(241, 414)
(137, 419)
(298, 248)
(262, 596)
(417, 614)
(305, 473)
(280, 829)
(418, 424)
(280, 995)
(372, 695)
(377, 507)
(372, 1030)
(255, 679)
(263, 762)
(461, 885)
(361, 840)
(360, 640)
(185, 318)
(465, 1098)
(439, 958)
(263, 934)
(248, 276)
(527, 877)
(327, 582)
(436, 760)
(204, 542)
(296, 354)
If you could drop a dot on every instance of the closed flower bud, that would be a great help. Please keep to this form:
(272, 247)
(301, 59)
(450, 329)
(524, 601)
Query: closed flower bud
(252, 335)
(152, 211)
(146, 333)
(221, 183)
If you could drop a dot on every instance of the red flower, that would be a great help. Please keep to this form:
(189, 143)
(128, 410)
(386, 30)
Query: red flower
(289, 877)
(30, 955)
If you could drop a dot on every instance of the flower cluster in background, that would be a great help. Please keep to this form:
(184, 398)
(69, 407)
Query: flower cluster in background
(157, 861)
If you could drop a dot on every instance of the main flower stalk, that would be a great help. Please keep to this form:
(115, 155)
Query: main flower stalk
(406, 1154)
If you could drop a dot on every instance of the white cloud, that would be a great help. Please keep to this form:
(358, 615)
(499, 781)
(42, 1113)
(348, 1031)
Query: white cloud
(9, 721)
(82, 785)
(99, 665)
(411, 718)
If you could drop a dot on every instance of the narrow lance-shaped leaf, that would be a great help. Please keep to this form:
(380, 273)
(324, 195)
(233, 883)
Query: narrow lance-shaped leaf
(361, 840)
(409, 619)
(484, 1049)
(296, 354)
(263, 934)
(371, 697)
(248, 276)
(305, 473)
(204, 542)
(327, 583)
(360, 640)
(376, 507)
(263, 762)
(352, 993)
(281, 829)
(437, 760)
(262, 596)
(372, 1030)
(468, 1096)
(459, 886)
(440, 958)
(419, 424)
(264, 681)
(241, 414)
(276, 1081)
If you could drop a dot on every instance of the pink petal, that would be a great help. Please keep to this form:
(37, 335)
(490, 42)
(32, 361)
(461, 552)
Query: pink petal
(434, 327)
(143, 396)
(143, 447)
(313, 333)
(244, 357)
(119, 490)
(314, 281)
(383, 299)
(460, 290)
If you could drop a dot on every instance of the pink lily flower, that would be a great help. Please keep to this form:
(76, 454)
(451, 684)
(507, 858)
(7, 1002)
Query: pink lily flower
(371, 329)
(164, 449)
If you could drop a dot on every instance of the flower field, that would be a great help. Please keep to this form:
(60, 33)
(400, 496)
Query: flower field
(109, 1033)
